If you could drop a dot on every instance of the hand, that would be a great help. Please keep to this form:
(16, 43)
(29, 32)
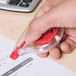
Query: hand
(55, 13)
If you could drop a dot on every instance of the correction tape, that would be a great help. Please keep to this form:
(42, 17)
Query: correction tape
(48, 40)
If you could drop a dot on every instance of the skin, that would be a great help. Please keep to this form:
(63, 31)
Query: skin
(55, 13)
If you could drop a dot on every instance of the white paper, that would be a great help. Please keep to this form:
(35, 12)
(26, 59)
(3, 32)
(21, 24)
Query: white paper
(29, 64)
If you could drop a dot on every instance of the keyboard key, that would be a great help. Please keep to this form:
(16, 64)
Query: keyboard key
(3, 1)
(14, 2)
(25, 1)
(29, 1)
(22, 4)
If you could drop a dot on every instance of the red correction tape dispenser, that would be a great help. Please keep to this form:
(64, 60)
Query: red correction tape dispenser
(48, 40)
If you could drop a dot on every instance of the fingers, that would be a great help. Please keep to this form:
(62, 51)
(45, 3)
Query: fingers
(55, 53)
(71, 32)
(65, 47)
(68, 45)
(70, 42)
(43, 55)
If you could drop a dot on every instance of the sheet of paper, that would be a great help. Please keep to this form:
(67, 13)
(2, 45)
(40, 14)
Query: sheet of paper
(29, 64)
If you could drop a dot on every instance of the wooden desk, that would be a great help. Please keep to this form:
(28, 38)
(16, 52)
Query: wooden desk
(12, 25)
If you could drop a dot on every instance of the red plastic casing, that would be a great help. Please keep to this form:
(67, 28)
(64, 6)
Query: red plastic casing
(48, 37)
(14, 55)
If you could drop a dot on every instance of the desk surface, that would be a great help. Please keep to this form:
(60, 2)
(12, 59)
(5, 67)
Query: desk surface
(12, 25)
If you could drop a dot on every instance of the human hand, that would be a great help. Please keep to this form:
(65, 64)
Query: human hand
(55, 13)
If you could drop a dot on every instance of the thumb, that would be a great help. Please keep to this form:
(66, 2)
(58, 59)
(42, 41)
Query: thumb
(40, 25)
(62, 15)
